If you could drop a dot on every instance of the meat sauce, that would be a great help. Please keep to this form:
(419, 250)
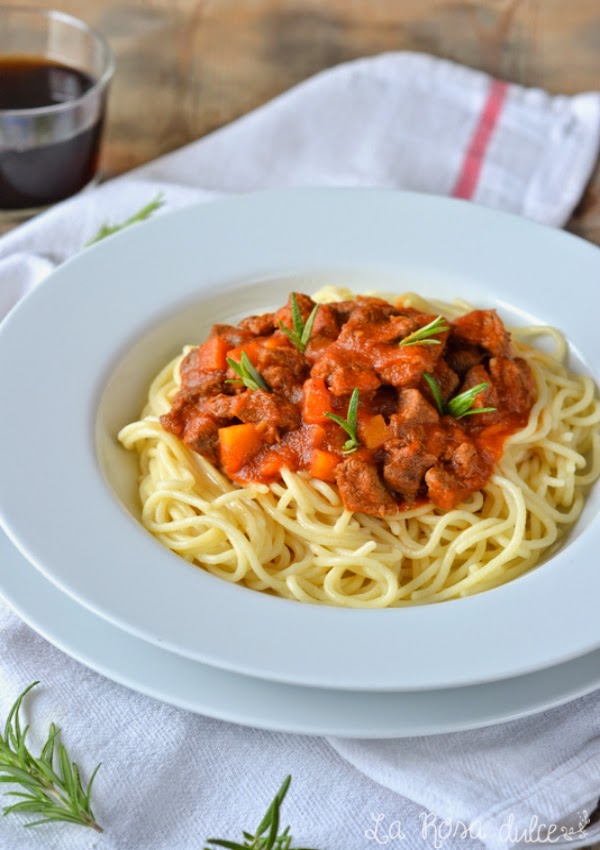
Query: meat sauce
(410, 445)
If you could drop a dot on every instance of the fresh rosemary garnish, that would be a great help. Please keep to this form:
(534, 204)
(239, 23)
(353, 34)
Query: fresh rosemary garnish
(266, 836)
(300, 335)
(437, 395)
(462, 404)
(424, 335)
(141, 215)
(55, 792)
(349, 424)
(249, 376)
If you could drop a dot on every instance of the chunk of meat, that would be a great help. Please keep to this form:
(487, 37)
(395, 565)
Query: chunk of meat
(328, 321)
(444, 488)
(281, 367)
(368, 311)
(447, 379)
(470, 465)
(385, 332)
(431, 438)
(480, 375)
(271, 410)
(221, 407)
(262, 325)
(193, 375)
(514, 384)
(344, 372)
(233, 336)
(284, 315)
(201, 434)
(182, 406)
(342, 309)
(376, 322)
(404, 366)
(189, 423)
(362, 489)
(195, 418)
(461, 356)
(484, 328)
(405, 466)
(414, 409)
(208, 383)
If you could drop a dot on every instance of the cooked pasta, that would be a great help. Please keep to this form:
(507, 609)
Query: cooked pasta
(295, 538)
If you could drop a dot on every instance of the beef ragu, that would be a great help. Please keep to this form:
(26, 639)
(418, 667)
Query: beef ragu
(396, 406)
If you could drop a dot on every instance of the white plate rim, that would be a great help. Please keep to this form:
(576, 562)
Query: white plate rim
(280, 230)
(202, 689)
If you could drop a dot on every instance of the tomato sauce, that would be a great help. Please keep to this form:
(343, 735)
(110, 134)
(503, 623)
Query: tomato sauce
(395, 406)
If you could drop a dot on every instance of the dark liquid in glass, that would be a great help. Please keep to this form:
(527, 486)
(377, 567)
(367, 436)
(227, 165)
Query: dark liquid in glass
(42, 174)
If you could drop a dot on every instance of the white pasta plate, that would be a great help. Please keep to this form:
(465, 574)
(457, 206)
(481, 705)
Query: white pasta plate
(79, 353)
(207, 690)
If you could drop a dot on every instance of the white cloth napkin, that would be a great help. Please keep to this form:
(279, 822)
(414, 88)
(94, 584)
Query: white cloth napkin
(170, 778)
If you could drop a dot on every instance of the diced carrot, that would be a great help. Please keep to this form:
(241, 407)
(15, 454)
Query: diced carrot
(373, 431)
(270, 465)
(237, 444)
(317, 402)
(323, 464)
(251, 348)
(212, 354)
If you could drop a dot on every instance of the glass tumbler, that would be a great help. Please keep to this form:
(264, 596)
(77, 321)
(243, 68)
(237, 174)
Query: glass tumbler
(54, 76)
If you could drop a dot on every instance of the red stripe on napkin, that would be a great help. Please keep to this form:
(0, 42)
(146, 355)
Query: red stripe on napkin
(475, 154)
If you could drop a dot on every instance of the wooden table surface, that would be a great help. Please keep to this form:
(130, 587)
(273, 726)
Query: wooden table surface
(186, 67)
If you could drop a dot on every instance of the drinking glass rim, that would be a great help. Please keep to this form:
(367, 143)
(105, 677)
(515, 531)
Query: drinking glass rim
(77, 23)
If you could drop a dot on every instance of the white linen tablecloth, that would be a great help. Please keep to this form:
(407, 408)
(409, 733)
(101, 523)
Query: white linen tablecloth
(170, 778)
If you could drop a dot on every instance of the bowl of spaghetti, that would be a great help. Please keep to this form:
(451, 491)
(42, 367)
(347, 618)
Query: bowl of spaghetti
(328, 437)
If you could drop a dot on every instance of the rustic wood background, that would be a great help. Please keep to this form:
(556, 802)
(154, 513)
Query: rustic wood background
(186, 67)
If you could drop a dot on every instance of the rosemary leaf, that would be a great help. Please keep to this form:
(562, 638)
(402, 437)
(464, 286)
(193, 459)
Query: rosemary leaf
(141, 215)
(296, 315)
(435, 389)
(55, 792)
(424, 336)
(249, 376)
(270, 822)
(350, 424)
(306, 333)
(461, 404)
(476, 410)
(301, 331)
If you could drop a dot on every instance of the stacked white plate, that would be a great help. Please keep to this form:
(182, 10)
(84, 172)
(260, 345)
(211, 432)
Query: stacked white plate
(77, 358)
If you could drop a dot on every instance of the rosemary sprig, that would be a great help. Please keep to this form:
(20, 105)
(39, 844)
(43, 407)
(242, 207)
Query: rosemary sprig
(424, 335)
(266, 836)
(300, 334)
(141, 215)
(437, 395)
(461, 404)
(55, 792)
(350, 424)
(249, 376)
